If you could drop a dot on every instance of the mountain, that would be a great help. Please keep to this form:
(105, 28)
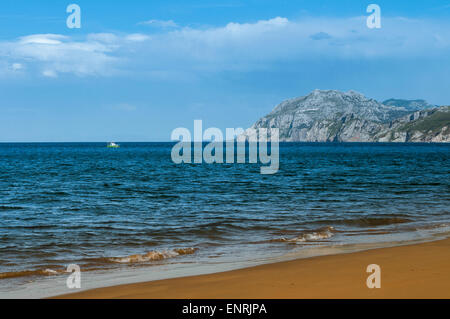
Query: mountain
(410, 105)
(430, 125)
(334, 116)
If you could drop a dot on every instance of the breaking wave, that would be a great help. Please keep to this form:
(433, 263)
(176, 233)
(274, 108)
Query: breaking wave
(102, 263)
(153, 255)
(26, 273)
(322, 233)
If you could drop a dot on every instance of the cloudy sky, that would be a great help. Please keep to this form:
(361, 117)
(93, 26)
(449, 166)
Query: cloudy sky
(137, 70)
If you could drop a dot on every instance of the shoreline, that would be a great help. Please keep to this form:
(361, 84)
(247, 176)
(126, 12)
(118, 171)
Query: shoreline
(407, 271)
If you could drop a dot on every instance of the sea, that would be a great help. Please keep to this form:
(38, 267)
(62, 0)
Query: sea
(130, 214)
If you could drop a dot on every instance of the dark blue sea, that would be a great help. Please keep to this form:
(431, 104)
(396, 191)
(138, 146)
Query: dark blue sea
(131, 210)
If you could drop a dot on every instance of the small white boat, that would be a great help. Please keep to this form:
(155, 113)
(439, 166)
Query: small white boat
(113, 145)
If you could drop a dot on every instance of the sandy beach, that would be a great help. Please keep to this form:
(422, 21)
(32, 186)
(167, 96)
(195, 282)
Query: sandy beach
(412, 271)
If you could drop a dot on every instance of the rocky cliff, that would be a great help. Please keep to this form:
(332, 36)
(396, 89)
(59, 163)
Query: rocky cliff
(410, 105)
(334, 116)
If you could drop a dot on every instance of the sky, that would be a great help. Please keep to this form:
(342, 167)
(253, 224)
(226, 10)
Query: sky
(136, 70)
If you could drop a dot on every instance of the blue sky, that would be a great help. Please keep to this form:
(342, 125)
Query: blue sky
(138, 69)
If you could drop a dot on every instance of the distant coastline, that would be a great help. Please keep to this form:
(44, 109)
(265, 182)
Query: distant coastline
(334, 116)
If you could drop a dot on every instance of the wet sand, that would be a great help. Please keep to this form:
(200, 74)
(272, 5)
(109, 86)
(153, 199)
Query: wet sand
(413, 271)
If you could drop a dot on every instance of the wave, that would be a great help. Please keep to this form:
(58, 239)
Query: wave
(322, 233)
(92, 264)
(153, 255)
(27, 273)
(434, 226)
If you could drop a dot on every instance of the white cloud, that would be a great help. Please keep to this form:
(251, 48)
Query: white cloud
(137, 37)
(49, 73)
(103, 37)
(11, 69)
(51, 54)
(16, 66)
(236, 46)
(42, 39)
(280, 38)
(160, 23)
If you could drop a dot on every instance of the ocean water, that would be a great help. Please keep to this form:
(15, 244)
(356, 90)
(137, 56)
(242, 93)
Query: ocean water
(121, 212)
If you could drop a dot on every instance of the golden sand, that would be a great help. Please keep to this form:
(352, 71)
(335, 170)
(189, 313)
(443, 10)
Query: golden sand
(413, 271)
